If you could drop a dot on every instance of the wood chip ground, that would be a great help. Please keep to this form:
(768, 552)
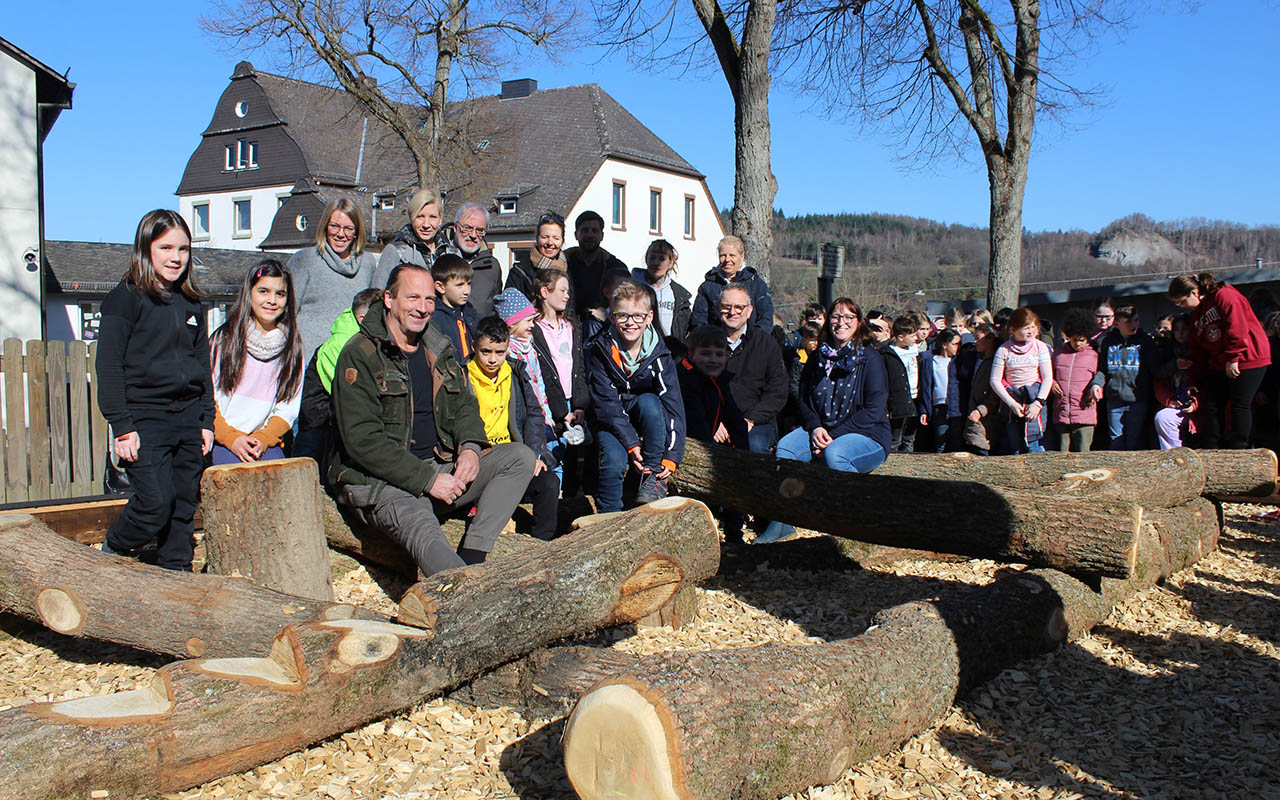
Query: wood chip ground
(1177, 695)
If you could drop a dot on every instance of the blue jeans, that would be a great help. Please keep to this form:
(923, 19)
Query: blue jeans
(762, 438)
(851, 452)
(1125, 422)
(649, 419)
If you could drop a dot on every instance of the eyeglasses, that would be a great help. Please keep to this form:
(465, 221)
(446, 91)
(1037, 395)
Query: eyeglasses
(734, 310)
(467, 230)
(334, 227)
(849, 319)
(619, 316)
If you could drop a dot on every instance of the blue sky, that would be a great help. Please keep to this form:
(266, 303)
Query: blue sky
(1188, 129)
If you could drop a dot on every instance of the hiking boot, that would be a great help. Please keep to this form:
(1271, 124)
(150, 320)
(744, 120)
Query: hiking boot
(651, 488)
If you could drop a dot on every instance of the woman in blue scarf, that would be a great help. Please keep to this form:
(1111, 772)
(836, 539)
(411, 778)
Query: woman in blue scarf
(844, 395)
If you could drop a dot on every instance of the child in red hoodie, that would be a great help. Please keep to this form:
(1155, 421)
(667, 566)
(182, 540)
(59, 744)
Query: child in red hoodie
(1229, 356)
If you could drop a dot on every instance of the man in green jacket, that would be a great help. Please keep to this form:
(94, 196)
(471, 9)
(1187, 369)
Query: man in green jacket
(411, 444)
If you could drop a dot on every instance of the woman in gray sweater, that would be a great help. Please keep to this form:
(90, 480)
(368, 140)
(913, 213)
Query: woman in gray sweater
(327, 276)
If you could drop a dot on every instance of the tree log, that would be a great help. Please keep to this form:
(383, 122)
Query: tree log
(78, 591)
(262, 521)
(768, 721)
(1225, 472)
(1042, 527)
(545, 683)
(207, 718)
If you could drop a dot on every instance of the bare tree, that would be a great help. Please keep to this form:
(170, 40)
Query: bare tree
(941, 73)
(397, 58)
(740, 33)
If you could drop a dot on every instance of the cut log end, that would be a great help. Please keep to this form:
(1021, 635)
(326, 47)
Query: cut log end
(418, 610)
(649, 587)
(616, 745)
(59, 611)
(121, 708)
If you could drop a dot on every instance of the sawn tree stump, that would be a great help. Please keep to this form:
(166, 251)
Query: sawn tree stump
(765, 722)
(263, 521)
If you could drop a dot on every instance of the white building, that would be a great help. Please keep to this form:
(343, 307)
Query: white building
(31, 97)
(278, 150)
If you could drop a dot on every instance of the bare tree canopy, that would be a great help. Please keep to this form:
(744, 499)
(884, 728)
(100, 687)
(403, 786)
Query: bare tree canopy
(397, 58)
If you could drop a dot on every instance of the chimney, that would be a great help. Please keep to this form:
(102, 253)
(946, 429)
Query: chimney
(521, 87)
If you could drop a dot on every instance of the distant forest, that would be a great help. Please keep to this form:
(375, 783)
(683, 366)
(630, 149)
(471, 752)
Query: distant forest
(890, 258)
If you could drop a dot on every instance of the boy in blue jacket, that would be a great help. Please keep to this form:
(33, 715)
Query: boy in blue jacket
(638, 413)
(454, 316)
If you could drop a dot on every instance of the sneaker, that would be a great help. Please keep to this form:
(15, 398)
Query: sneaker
(651, 488)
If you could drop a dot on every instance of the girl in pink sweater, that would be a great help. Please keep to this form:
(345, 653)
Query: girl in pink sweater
(1021, 376)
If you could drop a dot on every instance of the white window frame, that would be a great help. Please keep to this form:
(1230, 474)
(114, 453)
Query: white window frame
(196, 234)
(237, 231)
(618, 198)
(230, 164)
(252, 155)
(507, 205)
(690, 206)
(655, 210)
(387, 203)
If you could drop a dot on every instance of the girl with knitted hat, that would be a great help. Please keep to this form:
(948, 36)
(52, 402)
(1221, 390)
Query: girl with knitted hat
(257, 369)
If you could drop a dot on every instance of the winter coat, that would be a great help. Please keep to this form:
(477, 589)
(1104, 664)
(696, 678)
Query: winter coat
(404, 249)
(528, 426)
(486, 273)
(1074, 373)
(983, 399)
(706, 307)
(587, 279)
(863, 379)
(708, 404)
(614, 392)
(760, 382)
(1225, 329)
(459, 324)
(1126, 366)
(373, 411)
(899, 402)
(523, 275)
(924, 394)
(578, 398)
(681, 313)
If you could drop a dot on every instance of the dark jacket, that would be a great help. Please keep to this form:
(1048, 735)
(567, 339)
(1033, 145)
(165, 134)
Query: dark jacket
(707, 405)
(613, 393)
(899, 402)
(459, 324)
(982, 398)
(867, 386)
(316, 410)
(523, 275)
(759, 385)
(1126, 366)
(682, 311)
(706, 308)
(486, 274)
(373, 411)
(579, 396)
(528, 426)
(586, 279)
(924, 393)
(153, 355)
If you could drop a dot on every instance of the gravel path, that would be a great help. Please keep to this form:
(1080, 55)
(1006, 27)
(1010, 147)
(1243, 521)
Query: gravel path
(1176, 695)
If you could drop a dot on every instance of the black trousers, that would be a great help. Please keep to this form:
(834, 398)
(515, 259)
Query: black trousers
(1220, 395)
(544, 494)
(166, 488)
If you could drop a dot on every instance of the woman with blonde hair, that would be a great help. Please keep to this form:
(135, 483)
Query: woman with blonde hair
(328, 275)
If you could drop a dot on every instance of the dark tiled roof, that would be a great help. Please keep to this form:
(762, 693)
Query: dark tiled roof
(544, 148)
(94, 268)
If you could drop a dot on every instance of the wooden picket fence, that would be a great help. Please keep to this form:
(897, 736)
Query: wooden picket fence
(55, 439)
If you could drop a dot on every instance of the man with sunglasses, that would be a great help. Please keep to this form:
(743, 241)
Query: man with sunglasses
(637, 411)
(465, 237)
(757, 378)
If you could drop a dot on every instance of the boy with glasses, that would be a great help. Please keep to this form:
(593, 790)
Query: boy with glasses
(637, 411)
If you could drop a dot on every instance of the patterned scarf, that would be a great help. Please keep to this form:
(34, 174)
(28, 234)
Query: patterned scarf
(266, 346)
(835, 396)
(523, 350)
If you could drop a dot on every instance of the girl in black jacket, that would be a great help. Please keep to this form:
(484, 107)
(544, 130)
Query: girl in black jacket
(557, 338)
(156, 391)
(671, 301)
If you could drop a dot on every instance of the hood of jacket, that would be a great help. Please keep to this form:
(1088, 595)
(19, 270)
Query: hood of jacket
(346, 324)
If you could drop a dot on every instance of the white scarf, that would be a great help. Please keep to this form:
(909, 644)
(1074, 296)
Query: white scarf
(266, 346)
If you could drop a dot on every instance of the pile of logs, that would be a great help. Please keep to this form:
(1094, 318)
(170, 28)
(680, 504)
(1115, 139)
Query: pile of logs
(273, 664)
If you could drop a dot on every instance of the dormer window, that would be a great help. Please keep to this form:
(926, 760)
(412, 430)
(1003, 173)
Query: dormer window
(241, 155)
(506, 205)
(387, 204)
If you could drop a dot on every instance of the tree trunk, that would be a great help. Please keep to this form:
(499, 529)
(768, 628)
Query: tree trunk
(1152, 478)
(755, 186)
(262, 521)
(801, 715)
(78, 591)
(1039, 527)
(1008, 182)
(207, 718)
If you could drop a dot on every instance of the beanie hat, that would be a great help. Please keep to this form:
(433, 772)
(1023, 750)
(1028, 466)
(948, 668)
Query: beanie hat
(512, 306)
(421, 198)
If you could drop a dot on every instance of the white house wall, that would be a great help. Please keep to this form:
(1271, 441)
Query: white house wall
(262, 210)
(19, 201)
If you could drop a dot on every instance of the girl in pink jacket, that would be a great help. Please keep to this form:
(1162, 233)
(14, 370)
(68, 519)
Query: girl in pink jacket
(1075, 362)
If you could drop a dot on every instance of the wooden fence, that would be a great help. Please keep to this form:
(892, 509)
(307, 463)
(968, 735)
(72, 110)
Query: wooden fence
(55, 439)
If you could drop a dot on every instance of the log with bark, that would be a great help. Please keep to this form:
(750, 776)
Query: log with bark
(78, 591)
(769, 721)
(1244, 473)
(1042, 527)
(262, 521)
(207, 718)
